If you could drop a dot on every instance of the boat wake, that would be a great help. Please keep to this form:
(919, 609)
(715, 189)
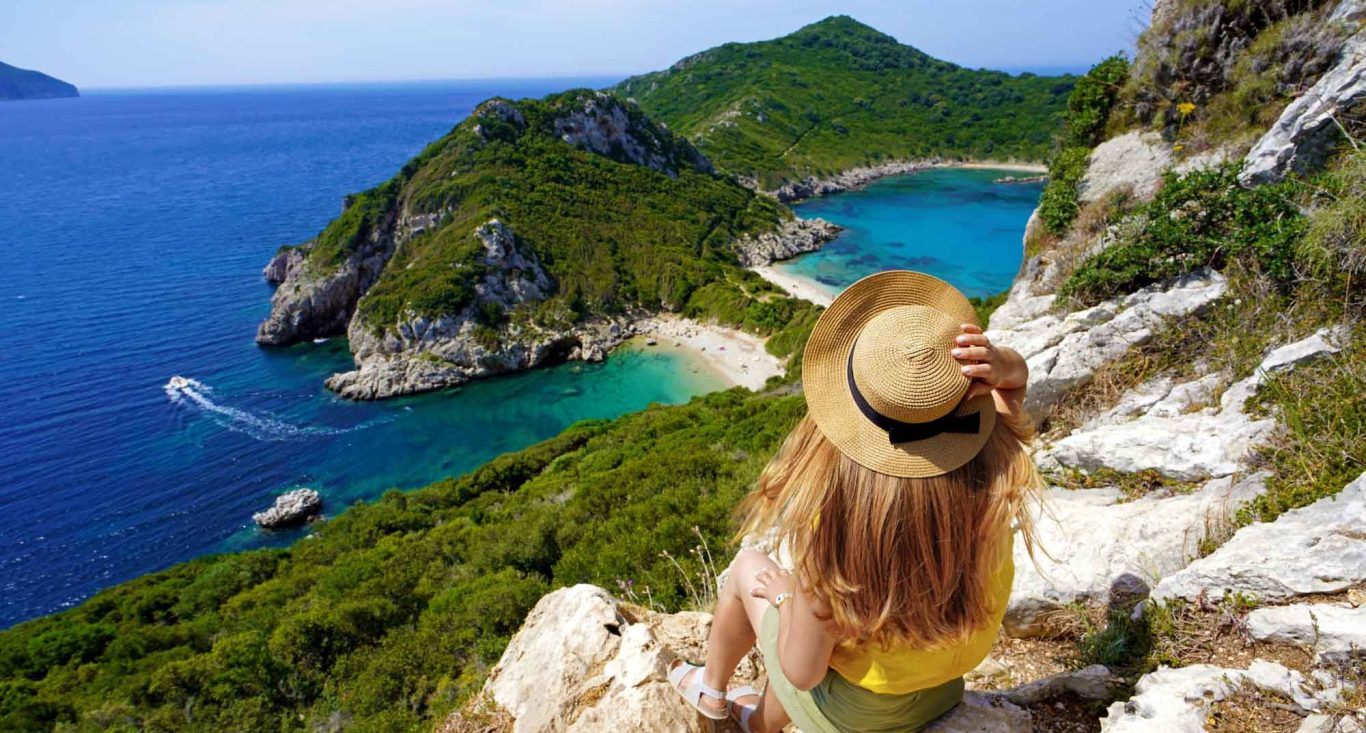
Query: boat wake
(194, 393)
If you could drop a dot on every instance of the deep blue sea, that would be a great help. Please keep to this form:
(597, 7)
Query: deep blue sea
(953, 223)
(134, 226)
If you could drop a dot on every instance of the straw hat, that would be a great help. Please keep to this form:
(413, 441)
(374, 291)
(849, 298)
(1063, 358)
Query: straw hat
(880, 380)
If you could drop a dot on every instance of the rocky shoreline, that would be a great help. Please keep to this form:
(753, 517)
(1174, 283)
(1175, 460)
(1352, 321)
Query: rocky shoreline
(858, 177)
(811, 186)
(793, 237)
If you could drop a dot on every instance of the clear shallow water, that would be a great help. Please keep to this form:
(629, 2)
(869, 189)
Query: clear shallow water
(953, 223)
(134, 226)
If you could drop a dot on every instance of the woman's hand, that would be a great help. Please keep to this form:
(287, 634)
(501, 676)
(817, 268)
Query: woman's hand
(990, 367)
(771, 584)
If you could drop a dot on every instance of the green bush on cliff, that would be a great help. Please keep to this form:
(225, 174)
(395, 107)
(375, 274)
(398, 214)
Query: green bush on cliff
(394, 611)
(1088, 112)
(839, 94)
(1090, 103)
(1058, 205)
(1200, 219)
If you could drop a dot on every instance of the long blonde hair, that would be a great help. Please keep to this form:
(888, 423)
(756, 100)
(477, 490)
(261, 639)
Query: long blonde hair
(896, 560)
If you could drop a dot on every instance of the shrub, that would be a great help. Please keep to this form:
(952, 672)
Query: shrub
(1202, 219)
(1058, 204)
(1089, 104)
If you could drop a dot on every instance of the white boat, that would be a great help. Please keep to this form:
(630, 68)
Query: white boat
(178, 382)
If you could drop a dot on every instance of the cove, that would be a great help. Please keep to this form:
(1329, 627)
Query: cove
(953, 223)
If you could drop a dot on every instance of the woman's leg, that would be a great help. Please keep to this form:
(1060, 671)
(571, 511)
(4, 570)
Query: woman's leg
(734, 628)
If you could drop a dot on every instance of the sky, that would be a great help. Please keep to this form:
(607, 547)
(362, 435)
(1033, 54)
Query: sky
(148, 43)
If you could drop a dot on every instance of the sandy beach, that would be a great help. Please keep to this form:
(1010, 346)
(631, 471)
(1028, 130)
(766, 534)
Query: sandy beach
(796, 286)
(740, 357)
(1022, 167)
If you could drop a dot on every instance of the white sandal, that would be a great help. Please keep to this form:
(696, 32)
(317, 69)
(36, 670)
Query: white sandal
(693, 693)
(742, 712)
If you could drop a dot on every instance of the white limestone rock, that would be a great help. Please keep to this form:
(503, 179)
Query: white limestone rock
(291, 509)
(579, 665)
(1132, 160)
(1321, 723)
(1178, 700)
(1336, 632)
(984, 712)
(1092, 537)
(1168, 437)
(1065, 351)
(1306, 132)
(1320, 548)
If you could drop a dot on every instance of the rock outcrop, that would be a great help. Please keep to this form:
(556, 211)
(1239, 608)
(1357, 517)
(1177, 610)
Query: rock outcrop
(420, 353)
(1094, 537)
(309, 304)
(795, 236)
(1064, 351)
(1170, 433)
(291, 509)
(1320, 548)
(602, 124)
(812, 186)
(1180, 700)
(1311, 126)
(1133, 161)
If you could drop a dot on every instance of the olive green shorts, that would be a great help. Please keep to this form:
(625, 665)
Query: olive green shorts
(837, 705)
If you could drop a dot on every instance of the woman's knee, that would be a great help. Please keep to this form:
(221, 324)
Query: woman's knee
(747, 562)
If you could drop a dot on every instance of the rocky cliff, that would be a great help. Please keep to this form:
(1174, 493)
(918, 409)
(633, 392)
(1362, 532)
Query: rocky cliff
(536, 231)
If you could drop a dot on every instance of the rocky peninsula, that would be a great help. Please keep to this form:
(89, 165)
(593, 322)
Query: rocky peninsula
(432, 295)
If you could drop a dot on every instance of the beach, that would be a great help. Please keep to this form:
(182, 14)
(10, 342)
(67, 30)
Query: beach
(738, 356)
(1021, 167)
(796, 285)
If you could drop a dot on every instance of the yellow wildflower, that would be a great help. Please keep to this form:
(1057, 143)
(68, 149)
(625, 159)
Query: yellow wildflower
(1185, 108)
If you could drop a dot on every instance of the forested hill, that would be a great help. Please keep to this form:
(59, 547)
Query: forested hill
(503, 243)
(17, 83)
(838, 94)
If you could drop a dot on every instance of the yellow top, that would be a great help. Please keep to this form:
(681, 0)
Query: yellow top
(901, 670)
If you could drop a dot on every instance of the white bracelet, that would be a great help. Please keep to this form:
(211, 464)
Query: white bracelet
(780, 599)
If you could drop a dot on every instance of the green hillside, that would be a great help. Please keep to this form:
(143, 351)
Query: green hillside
(611, 232)
(17, 83)
(839, 94)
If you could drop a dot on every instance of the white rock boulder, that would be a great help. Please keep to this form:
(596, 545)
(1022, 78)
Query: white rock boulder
(1092, 537)
(1178, 700)
(1336, 632)
(1065, 351)
(1134, 160)
(291, 509)
(1320, 548)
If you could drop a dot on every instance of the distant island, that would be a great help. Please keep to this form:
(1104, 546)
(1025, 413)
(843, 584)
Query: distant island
(17, 83)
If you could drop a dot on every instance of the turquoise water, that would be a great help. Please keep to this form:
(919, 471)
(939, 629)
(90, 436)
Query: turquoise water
(953, 223)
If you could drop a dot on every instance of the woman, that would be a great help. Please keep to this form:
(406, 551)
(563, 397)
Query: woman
(896, 496)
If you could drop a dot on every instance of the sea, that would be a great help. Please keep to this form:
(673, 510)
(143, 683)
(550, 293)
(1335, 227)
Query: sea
(134, 225)
(957, 224)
